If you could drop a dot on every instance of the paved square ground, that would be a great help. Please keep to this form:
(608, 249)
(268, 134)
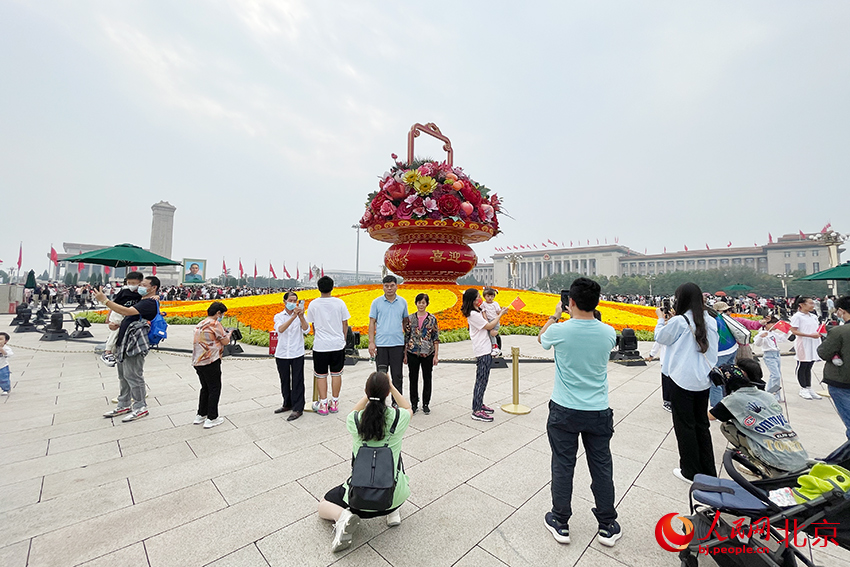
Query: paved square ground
(78, 489)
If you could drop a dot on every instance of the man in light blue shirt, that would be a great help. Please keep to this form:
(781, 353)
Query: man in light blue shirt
(579, 406)
(387, 317)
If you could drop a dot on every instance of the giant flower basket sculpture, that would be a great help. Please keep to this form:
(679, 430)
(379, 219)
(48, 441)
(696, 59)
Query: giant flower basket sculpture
(430, 212)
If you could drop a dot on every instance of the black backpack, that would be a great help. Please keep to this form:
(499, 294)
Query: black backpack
(373, 476)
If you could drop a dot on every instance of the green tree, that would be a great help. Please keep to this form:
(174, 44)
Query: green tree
(469, 280)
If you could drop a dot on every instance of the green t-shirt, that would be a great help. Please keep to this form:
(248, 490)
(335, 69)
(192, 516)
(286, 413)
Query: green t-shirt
(581, 362)
(402, 488)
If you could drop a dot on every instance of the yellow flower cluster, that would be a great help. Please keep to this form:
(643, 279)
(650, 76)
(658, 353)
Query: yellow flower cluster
(425, 185)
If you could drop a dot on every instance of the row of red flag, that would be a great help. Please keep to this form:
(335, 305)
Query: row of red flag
(803, 236)
(271, 270)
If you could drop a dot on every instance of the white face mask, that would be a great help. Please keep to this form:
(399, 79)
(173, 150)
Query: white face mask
(132, 287)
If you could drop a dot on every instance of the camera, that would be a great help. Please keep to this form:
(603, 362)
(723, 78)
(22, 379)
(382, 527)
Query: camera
(665, 307)
(565, 300)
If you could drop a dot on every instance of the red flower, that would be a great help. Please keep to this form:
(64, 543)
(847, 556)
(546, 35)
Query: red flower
(470, 193)
(449, 205)
(395, 190)
(375, 205)
(387, 209)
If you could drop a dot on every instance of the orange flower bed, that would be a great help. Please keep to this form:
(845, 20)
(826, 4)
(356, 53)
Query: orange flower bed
(258, 311)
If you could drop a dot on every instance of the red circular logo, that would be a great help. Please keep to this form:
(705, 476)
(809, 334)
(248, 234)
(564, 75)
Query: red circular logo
(668, 538)
(749, 421)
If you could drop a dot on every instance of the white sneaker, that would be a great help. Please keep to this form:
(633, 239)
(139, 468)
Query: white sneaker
(678, 474)
(136, 414)
(5, 393)
(394, 519)
(210, 423)
(199, 419)
(814, 395)
(343, 528)
(108, 359)
(495, 352)
(804, 393)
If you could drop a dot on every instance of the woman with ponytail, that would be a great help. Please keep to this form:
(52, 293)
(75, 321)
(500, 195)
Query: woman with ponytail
(804, 324)
(690, 334)
(376, 420)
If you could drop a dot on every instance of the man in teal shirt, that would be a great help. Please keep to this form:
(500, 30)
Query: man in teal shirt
(579, 406)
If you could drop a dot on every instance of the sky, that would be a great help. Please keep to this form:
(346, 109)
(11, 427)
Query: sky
(267, 122)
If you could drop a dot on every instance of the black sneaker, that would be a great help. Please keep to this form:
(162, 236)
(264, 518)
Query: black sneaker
(561, 532)
(426, 410)
(415, 408)
(609, 535)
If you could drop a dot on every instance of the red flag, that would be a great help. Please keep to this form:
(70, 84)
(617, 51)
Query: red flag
(597, 241)
(297, 273)
(518, 303)
(706, 246)
(271, 269)
(571, 243)
(543, 244)
(284, 270)
(255, 268)
(310, 269)
(80, 265)
(241, 271)
(769, 238)
(588, 242)
(644, 250)
(54, 257)
(107, 270)
(606, 240)
(323, 270)
(132, 269)
(822, 329)
(223, 267)
(802, 235)
(665, 249)
(686, 248)
(534, 245)
(154, 270)
(729, 245)
(616, 240)
(783, 326)
(20, 255)
(825, 227)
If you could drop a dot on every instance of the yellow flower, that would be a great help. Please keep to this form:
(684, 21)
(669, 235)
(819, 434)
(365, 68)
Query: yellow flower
(410, 177)
(425, 185)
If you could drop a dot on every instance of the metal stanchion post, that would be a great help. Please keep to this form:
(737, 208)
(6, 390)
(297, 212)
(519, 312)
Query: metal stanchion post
(309, 407)
(515, 407)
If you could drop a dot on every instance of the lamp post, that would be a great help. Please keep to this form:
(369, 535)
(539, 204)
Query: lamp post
(832, 239)
(784, 279)
(513, 260)
(357, 261)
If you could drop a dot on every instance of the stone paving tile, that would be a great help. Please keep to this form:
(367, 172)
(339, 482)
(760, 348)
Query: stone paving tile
(147, 484)
(426, 444)
(104, 534)
(15, 555)
(515, 478)
(130, 556)
(20, 494)
(49, 464)
(25, 451)
(217, 534)
(248, 556)
(445, 472)
(120, 431)
(477, 557)
(36, 519)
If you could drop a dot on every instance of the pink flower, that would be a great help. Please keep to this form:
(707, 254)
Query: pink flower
(404, 211)
(427, 169)
(393, 156)
(387, 209)
(367, 217)
(420, 211)
(485, 212)
(430, 204)
(411, 199)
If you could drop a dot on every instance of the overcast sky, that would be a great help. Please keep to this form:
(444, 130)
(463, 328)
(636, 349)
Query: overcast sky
(267, 122)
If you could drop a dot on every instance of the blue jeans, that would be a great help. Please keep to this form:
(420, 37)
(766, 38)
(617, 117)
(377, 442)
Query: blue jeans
(774, 382)
(715, 393)
(841, 397)
(596, 429)
(5, 381)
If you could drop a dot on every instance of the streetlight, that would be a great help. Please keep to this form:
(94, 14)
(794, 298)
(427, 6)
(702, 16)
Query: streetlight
(784, 279)
(832, 239)
(513, 260)
(357, 264)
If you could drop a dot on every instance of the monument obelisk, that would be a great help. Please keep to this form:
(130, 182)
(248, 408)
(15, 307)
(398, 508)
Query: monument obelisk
(162, 234)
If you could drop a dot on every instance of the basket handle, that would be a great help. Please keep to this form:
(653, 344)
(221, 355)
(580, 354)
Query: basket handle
(432, 130)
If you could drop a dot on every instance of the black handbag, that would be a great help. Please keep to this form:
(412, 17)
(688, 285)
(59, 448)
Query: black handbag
(373, 476)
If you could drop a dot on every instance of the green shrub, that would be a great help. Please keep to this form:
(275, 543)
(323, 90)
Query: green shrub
(92, 316)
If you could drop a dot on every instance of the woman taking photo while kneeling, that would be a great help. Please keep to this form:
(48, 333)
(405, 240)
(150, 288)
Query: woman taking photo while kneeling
(691, 339)
(376, 422)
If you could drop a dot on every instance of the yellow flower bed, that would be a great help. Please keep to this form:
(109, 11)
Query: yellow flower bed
(258, 311)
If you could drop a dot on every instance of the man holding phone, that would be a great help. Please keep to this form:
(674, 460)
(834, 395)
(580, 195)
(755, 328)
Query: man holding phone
(579, 407)
(291, 326)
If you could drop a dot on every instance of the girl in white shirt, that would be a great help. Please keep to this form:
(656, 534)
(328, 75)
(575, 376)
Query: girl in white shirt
(769, 340)
(804, 324)
(479, 332)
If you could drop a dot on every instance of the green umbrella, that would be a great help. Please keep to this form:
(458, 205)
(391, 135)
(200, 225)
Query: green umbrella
(839, 272)
(738, 287)
(30, 283)
(123, 255)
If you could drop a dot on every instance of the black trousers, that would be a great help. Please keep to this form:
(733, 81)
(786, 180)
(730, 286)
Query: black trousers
(291, 372)
(393, 358)
(691, 425)
(210, 377)
(414, 363)
(665, 387)
(804, 374)
(596, 429)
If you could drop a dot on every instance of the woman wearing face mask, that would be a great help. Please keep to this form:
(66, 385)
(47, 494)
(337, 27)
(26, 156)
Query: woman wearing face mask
(479, 332)
(210, 338)
(291, 326)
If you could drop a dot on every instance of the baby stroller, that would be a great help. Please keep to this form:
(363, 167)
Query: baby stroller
(736, 523)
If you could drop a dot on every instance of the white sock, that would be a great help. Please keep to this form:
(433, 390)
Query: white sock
(323, 401)
(335, 399)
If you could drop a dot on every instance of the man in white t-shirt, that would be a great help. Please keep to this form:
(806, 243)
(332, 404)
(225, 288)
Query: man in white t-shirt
(291, 326)
(329, 317)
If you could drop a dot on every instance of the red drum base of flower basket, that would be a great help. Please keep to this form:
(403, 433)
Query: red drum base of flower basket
(430, 251)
